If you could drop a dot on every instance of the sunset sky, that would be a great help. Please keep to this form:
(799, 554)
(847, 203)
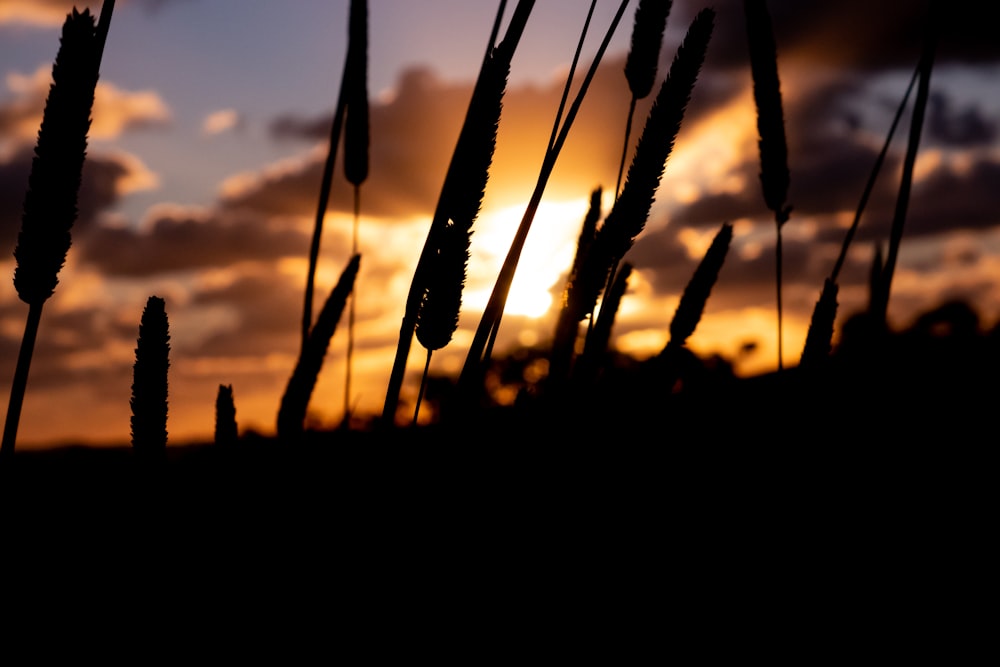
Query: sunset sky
(210, 129)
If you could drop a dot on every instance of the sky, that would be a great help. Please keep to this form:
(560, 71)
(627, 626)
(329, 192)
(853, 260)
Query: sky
(210, 130)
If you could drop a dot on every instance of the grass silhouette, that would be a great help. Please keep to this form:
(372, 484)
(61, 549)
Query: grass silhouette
(603, 396)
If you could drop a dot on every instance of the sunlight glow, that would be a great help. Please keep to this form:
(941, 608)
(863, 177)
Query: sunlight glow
(547, 254)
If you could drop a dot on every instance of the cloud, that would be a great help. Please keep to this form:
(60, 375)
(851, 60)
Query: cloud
(173, 240)
(52, 13)
(221, 121)
(115, 110)
(106, 178)
(859, 34)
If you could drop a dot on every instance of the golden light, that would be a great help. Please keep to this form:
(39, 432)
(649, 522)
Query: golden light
(547, 253)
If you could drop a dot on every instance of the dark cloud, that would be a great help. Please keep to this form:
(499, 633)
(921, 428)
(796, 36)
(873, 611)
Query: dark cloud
(292, 126)
(269, 306)
(860, 34)
(100, 189)
(963, 128)
(185, 243)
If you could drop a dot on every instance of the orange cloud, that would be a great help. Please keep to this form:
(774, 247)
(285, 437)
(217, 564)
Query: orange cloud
(115, 110)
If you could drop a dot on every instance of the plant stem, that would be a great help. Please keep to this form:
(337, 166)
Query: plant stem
(20, 383)
(351, 313)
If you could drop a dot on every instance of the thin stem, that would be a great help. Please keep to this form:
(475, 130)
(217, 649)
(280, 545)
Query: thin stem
(912, 148)
(777, 269)
(485, 337)
(324, 199)
(569, 77)
(423, 386)
(351, 312)
(20, 382)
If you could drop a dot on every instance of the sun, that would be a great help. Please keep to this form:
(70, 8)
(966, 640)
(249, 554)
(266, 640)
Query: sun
(547, 254)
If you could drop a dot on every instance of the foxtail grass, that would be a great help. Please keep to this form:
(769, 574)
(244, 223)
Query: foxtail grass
(463, 188)
(326, 185)
(50, 202)
(149, 383)
(480, 350)
(356, 144)
(598, 341)
(438, 316)
(692, 303)
(568, 322)
(298, 391)
(819, 338)
(774, 176)
(641, 63)
(628, 215)
(226, 430)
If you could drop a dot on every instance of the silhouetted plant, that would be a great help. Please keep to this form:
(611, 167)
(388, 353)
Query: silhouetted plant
(568, 322)
(819, 338)
(463, 188)
(149, 382)
(336, 129)
(489, 324)
(774, 176)
(50, 202)
(598, 340)
(631, 209)
(226, 431)
(356, 141)
(437, 318)
(695, 296)
(881, 305)
(298, 391)
(641, 63)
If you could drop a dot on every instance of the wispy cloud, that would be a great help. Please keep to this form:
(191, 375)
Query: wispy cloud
(223, 120)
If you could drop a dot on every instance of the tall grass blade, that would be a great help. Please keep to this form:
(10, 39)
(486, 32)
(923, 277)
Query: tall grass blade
(909, 160)
(692, 305)
(149, 383)
(641, 63)
(356, 144)
(326, 184)
(50, 202)
(599, 339)
(463, 188)
(819, 339)
(568, 321)
(698, 289)
(774, 175)
(630, 211)
(298, 391)
(489, 324)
